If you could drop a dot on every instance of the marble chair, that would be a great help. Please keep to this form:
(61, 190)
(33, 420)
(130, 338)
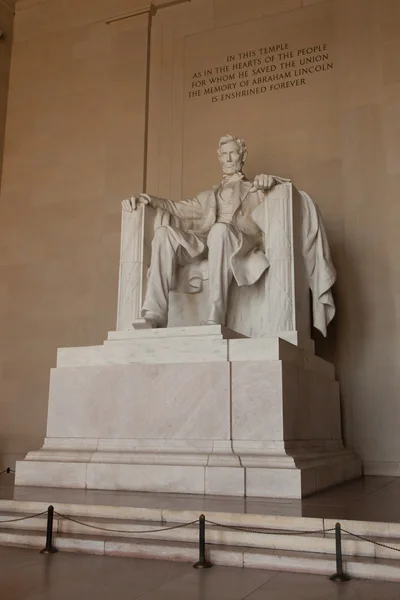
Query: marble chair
(277, 305)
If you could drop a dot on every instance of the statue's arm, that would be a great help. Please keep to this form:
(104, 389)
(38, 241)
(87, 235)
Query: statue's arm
(187, 211)
(182, 209)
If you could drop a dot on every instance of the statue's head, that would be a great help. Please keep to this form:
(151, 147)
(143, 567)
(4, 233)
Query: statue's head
(232, 154)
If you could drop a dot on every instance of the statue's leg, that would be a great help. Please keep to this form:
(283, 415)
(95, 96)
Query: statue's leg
(169, 248)
(223, 241)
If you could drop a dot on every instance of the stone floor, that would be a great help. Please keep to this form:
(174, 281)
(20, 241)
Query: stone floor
(29, 575)
(364, 499)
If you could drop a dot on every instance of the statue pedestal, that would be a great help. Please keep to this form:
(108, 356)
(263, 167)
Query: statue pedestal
(192, 410)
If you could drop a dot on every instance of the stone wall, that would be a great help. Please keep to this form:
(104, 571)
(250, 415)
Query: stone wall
(6, 26)
(99, 109)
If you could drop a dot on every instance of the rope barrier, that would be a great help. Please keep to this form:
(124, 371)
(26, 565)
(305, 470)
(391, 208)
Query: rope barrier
(24, 518)
(8, 470)
(180, 526)
(360, 537)
(270, 531)
(315, 532)
(125, 530)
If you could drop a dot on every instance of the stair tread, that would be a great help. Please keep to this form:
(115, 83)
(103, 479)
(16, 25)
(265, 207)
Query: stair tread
(249, 550)
(121, 524)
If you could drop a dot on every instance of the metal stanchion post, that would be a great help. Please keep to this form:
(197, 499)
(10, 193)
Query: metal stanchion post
(49, 548)
(202, 562)
(340, 575)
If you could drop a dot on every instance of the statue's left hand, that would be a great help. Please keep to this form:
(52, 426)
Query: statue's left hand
(263, 183)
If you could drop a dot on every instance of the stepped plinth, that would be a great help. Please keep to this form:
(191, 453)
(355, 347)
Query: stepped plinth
(192, 410)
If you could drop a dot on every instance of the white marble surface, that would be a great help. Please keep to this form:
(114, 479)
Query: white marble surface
(146, 351)
(279, 401)
(277, 483)
(291, 482)
(218, 332)
(146, 478)
(299, 482)
(196, 452)
(274, 428)
(263, 349)
(257, 410)
(85, 544)
(222, 481)
(181, 345)
(141, 401)
(65, 475)
(136, 233)
(276, 348)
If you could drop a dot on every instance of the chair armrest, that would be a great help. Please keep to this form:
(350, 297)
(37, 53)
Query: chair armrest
(137, 232)
(280, 219)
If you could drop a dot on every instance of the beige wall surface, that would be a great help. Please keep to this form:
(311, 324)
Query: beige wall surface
(6, 26)
(84, 130)
(74, 149)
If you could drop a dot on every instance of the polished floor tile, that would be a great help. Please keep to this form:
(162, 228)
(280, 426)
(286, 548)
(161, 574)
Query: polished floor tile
(28, 575)
(298, 586)
(378, 591)
(218, 583)
(66, 576)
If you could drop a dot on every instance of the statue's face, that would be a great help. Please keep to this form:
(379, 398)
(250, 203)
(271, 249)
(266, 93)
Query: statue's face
(230, 158)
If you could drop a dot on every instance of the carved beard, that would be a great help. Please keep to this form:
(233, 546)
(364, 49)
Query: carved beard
(234, 168)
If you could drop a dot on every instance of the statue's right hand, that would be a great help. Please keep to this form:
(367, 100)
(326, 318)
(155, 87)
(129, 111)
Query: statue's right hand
(131, 204)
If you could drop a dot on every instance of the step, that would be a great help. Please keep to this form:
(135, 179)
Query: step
(167, 517)
(307, 553)
(202, 331)
(323, 543)
(271, 559)
(320, 543)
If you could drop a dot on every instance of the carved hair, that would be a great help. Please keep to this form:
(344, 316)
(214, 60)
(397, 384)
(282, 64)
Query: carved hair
(225, 139)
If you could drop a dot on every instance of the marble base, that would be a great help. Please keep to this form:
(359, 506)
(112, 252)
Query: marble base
(297, 482)
(251, 418)
(209, 343)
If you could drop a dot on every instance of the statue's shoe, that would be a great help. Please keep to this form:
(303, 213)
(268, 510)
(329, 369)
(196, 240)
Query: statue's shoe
(153, 320)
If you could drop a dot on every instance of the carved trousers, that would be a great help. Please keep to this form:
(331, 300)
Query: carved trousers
(172, 247)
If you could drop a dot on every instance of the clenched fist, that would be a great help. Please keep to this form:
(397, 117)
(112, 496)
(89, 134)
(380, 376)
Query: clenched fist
(263, 183)
(131, 204)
